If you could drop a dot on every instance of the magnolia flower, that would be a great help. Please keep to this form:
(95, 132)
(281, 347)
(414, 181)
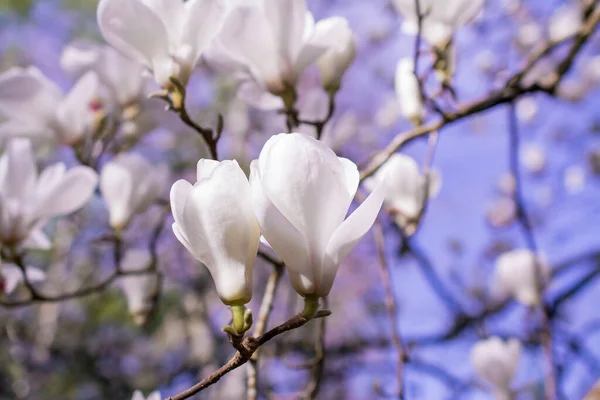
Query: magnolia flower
(406, 189)
(564, 23)
(269, 43)
(139, 289)
(27, 201)
(215, 222)
(301, 192)
(334, 63)
(11, 276)
(40, 110)
(129, 185)
(440, 18)
(409, 92)
(167, 36)
(138, 395)
(123, 77)
(515, 275)
(495, 361)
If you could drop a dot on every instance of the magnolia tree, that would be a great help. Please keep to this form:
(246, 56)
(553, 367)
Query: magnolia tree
(244, 199)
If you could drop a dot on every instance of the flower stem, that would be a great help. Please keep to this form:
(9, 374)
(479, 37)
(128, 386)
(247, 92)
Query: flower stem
(238, 311)
(311, 305)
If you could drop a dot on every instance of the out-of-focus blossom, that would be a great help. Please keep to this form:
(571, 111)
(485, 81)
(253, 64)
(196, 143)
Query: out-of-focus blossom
(129, 185)
(502, 212)
(408, 92)
(267, 44)
(572, 89)
(139, 289)
(334, 63)
(440, 18)
(214, 220)
(124, 78)
(564, 22)
(389, 112)
(507, 184)
(138, 395)
(406, 188)
(530, 34)
(301, 193)
(166, 36)
(533, 158)
(28, 200)
(41, 111)
(515, 275)
(592, 69)
(495, 361)
(527, 109)
(574, 179)
(11, 276)
(341, 130)
(486, 60)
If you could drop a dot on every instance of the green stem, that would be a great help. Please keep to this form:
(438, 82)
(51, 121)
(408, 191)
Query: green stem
(311, 305)
(238, 311)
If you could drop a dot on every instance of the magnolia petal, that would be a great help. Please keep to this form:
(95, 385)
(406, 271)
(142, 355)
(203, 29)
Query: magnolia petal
(203, 20)
(134, 29)
(79, 57)
(18, 171)
(13, 276)
(247, 34)
(116, 185)
(287, 18)
(74, 114)
(70, 194)
(278, 231)
(348, 234)
(327, 33)
(205, 168)
(307, 183)
(37, 239)
(138, 395)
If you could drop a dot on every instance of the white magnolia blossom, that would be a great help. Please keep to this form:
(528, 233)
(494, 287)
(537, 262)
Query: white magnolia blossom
(301, 192)
(11, 276)
(334, 63)
(515, 276)
(441, 18)
(124, 78)
(138, 395)
(564, 22)
(495, 361)
(267, 44)
(167, 36)
(406, 187)
(408, 91)
(28, 200)
(129, 185)
(533, 157)
(214, 220)
(41, 111)
(139, 289)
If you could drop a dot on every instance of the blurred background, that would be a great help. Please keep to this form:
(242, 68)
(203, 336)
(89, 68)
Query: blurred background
(90, 348)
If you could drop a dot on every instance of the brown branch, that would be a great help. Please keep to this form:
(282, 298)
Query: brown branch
(513, 89)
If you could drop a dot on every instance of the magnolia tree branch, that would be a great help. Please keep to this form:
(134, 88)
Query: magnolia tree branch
(514, 88)
(246, 348)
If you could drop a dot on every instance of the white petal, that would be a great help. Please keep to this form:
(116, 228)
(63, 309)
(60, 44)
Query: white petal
(203, 20)
(205, 168)
(18, 171)
(348, 235)
(79, 57)
(37, 239)
(12, 276)
(138, 395)
(74, 114)
(116, 185)
(327, 33)
(281, 235)
(134, 29)
(154, 396)
(68, 195)
(307, 183)
(247, 35)
(287, 19)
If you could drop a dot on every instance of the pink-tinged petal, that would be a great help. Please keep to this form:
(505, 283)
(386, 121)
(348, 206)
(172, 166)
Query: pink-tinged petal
(348, 234)
(74, 114)
(134, 29)
(248, 37)
(18, 171)
(278, 231)
(70, 194)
